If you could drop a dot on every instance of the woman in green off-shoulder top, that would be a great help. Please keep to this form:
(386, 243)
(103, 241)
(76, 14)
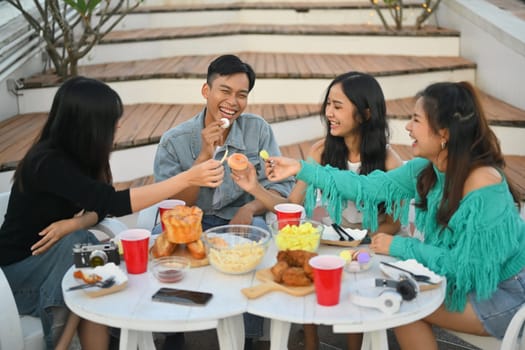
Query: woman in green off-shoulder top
(465, 208)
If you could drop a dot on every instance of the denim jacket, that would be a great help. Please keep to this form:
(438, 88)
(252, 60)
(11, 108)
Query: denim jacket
(249, 134)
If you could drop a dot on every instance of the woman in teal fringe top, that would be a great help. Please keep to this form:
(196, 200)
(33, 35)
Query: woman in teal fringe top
(465, 208)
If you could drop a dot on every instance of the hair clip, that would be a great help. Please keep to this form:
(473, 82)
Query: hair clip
(461, 117)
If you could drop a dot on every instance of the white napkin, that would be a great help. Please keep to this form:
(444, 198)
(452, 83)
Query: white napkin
(413, 266)
(110, 269)
(329, 233)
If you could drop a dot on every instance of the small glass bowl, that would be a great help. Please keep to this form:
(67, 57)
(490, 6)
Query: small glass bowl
(297, 234)
(170, 269)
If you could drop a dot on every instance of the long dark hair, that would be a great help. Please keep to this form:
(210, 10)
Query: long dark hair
(364, 92)
(471, 144)
(81, 124)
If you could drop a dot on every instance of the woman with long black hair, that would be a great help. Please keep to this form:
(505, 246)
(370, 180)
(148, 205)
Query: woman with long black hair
(61, 187)
(354, 113)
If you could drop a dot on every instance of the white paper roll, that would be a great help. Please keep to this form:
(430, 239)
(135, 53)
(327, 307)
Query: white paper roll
(388, 301)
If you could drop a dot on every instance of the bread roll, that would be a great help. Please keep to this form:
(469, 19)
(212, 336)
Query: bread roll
(162, 247)
(196, 249)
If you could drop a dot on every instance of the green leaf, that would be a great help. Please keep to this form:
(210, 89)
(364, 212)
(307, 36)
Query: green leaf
(81, 6)
(92, 4)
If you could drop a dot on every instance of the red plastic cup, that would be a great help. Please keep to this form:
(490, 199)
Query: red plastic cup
(328, 272)
(289, 213)
(166, 205)
(135, 243)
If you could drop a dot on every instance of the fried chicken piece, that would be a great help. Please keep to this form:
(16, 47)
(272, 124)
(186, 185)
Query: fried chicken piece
(278, 270)
(295, 258)
(295, 277)
(308, 270)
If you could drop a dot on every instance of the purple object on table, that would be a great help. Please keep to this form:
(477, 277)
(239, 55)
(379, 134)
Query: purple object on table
(363, 257)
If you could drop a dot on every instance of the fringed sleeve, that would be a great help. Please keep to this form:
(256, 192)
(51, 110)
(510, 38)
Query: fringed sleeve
(483, 245)
(394, 188)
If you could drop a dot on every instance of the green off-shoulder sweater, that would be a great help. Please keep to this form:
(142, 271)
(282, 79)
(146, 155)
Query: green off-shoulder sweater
(483, 244)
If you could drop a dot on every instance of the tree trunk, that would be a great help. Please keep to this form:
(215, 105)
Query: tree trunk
(73, 67)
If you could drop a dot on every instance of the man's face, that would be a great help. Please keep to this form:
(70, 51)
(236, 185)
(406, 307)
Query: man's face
(227, 97)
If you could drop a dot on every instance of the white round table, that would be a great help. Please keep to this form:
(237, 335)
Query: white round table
(133, 311)
(346, 317)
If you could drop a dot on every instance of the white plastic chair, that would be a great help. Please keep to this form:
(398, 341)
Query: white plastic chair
(511, 339)
(22, 332)
(148, 217)
(17, 332)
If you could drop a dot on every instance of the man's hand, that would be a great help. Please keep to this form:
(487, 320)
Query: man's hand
(244, 216)
(211, 137)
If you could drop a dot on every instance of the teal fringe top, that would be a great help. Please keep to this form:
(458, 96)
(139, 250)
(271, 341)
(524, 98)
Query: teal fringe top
(483, 244)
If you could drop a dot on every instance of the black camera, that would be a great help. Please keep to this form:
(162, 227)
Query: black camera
(91, 255)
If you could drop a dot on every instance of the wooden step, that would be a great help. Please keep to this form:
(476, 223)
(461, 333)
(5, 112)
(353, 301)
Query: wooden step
(246, 5)
(147, 40)
(267, 65)
(17, 133)
(142, 124)
(147, 34)
(515, 166)
(178, 14)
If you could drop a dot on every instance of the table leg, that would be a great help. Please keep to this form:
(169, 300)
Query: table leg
(131, 340)
(128, 340)
(230, 332)
(376, 340)
(145, 341)
(279, 333)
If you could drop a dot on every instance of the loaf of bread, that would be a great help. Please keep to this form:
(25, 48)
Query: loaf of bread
(162, 247)
(182, 224)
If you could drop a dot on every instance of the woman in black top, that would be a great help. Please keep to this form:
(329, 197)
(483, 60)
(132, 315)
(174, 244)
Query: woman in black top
(61, 187)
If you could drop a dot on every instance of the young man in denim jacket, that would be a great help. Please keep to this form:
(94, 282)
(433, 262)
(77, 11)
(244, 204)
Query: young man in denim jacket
(223, 127)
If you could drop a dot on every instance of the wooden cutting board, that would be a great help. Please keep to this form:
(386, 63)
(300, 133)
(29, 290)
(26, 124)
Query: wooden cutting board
(181, 250)
(353, 243)
(269, 285)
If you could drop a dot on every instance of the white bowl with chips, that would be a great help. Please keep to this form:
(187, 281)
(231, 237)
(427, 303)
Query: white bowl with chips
(235, 249)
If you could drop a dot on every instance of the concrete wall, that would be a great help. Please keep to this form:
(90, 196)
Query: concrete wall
(495, 40)
(11, 23)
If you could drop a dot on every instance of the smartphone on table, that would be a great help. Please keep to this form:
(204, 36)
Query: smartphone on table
(182, 296)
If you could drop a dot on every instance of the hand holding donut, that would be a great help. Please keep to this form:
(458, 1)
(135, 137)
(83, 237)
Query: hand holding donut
(279, 168)
(246, 179)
